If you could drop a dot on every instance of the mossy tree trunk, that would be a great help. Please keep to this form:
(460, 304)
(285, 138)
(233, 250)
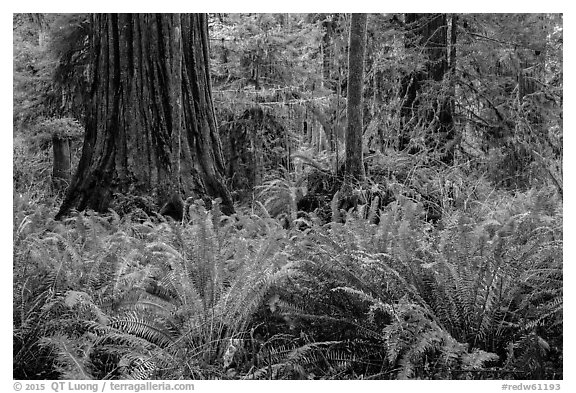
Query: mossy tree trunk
(354, 165)
(354, 173)
(61, 171)
(150, 126)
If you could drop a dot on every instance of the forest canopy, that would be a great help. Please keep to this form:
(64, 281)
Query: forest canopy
(288, 196)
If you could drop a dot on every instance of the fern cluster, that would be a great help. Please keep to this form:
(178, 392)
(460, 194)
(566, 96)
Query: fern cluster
(475, 295)
(105, 297)
(477, 292)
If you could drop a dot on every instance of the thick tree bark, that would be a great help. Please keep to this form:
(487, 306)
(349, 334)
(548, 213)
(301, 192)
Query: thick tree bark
(354, 166)
(150, 126)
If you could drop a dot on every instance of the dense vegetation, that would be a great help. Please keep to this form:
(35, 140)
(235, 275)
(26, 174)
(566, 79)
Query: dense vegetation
(445, 262)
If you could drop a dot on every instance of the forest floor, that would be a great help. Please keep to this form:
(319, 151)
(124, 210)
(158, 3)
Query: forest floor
(381, 294)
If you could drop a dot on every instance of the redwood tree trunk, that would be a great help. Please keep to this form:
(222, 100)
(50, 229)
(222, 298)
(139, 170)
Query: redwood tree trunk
(428, 32)
(150, 126)
(354, 166)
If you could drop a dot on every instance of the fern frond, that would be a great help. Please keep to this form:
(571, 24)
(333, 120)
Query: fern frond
(83, 301)
(137, 367)
(73, 362)
(152, 331)
(477, 359)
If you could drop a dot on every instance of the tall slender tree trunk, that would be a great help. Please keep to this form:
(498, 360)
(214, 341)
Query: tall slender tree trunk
(354, 166)
(327, 46)
(452, 61)
(354, 173)
(150, 126)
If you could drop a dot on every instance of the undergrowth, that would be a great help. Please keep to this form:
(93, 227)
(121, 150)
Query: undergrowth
(104, 297)
(476, 295)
